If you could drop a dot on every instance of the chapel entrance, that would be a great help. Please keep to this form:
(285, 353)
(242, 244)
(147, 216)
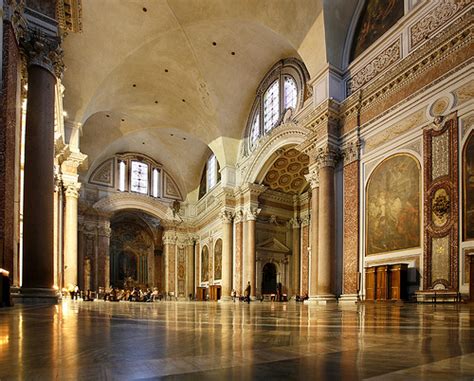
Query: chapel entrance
(471, 278)
(269, 279)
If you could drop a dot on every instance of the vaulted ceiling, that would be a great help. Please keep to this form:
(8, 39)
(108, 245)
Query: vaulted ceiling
(176, 78)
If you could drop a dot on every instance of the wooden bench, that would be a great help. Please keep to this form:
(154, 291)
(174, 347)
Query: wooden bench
(437, 296)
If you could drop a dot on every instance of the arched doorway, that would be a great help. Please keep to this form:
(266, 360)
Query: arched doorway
(269, 279)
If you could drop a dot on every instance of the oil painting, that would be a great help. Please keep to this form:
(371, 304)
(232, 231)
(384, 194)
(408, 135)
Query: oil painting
(468, 207)
(218, 260)
(393, 205)
(377, 17)
(205, 264)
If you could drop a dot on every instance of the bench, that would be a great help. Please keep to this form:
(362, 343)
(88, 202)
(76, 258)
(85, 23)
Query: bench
(437, 296)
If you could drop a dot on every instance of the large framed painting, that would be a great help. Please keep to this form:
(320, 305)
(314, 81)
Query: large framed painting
(218, 260)
(468, 191)
(205, 264)
(393, 205)
(376, 18)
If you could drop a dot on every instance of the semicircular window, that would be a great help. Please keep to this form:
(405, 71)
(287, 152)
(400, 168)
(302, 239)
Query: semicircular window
(281, 90)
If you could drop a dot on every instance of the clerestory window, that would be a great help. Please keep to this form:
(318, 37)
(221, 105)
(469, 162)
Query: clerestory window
(280, 92)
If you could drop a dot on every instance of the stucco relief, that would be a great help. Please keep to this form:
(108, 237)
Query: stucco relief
(440, 156)
(412, 121)
(435, 19)
(383, 61)
(393, 205)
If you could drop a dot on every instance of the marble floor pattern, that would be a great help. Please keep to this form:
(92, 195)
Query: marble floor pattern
(99, 340)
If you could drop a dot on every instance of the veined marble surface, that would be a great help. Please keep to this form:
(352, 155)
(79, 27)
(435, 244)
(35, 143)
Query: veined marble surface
(235, 341)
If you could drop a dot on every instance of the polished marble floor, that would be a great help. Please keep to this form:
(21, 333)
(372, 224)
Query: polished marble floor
(213, 341)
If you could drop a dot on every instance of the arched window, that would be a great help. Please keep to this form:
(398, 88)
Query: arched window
(136, 173)
(210, 176)
(281, 91)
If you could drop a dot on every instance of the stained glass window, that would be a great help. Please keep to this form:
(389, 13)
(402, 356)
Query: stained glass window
(271, 106)
(139, 177)
(290, 93)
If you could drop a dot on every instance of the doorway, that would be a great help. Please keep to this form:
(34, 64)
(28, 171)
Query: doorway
(269, 279)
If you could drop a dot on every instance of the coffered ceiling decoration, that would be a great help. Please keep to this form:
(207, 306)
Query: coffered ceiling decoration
(287, 172)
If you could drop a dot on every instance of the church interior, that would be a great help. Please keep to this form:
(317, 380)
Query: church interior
(287, 186)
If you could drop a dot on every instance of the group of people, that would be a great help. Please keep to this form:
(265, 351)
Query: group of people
(136, 294)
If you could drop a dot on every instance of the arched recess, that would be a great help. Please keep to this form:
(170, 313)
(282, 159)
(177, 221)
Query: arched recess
(262, 158)
(123, 201)
(269, 278)
(393, 205)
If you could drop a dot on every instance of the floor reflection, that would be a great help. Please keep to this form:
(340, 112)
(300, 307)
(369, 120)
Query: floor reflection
(185, 340)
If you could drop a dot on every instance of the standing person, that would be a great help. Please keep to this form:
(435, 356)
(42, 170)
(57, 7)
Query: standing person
(248, 290)
(233, 295)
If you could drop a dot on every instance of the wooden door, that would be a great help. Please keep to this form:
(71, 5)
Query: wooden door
(471, 278)
(382, 283)
(370, 282)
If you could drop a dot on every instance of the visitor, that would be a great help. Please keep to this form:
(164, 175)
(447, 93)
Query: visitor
(247, 293)
(233, 294)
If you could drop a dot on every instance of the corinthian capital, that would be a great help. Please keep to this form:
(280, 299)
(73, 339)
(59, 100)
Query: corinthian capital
(313, 178)
(226, 216)
(43, 50)
(327, 156)
(351, 152)
(252, 213)
(72, 190)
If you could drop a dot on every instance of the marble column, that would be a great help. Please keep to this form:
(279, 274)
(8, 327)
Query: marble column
(251, 215)
(104, 232)
(238, 223)
(70, 234)
(43, 58)
(327, 225)
(313, 179)
(295, 224)
(226, 285)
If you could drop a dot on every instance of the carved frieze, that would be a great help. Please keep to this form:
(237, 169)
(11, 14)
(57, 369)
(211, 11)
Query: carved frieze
(434, 20)
(380, 63)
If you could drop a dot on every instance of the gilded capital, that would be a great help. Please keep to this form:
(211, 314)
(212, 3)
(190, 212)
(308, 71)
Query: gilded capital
(252, 213)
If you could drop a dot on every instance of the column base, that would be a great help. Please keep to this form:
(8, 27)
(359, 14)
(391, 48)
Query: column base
(36, 296)
(349, 298)
(321, 299)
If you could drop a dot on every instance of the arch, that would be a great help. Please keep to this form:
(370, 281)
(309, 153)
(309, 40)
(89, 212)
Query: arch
(281, 137)
(468, 188)
(393, 205)
(122, 201)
